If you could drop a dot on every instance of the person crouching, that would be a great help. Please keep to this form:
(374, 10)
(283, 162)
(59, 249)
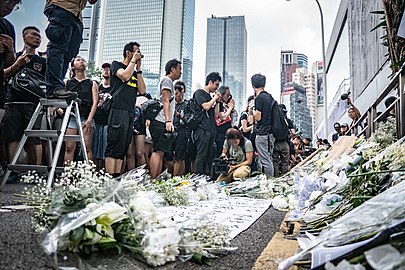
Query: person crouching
(238, 148)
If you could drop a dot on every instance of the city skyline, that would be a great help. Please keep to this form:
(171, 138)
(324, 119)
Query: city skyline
(268, 28)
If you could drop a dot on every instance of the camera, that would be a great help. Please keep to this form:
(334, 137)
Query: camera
(221, 164)
(229, 99)
(345, 96)
(169, 136)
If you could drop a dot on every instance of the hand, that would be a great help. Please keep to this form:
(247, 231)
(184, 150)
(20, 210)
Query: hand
(60, 111)
(7, 42)
(169, 127)
(217, 96)
(349, 101)
(231, 168)
(231, 104)
(22, 60)
(137, 56)
(87, 127)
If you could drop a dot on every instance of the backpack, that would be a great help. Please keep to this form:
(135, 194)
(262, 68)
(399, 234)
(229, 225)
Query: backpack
(151, 108)
(193, 114)
(279, 125)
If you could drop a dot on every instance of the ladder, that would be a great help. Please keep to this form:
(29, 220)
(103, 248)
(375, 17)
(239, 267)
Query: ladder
(51, 135)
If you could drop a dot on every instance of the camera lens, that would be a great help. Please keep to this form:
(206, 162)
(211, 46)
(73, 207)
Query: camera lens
(344, 96)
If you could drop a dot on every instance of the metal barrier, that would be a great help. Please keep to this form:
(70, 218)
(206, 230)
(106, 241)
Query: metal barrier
(370, 116)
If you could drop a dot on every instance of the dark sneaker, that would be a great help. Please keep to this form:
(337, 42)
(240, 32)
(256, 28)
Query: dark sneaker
(13, 178)
(63, 94)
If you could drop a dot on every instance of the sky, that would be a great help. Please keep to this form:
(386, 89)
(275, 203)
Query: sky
(271, 25)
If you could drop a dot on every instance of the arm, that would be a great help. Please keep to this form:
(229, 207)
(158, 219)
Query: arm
(257, 115)
(247, 162)
(21, 60)
(224, 115)
(356, 111)
(94, 92)
(126, 74)
(245, 127)
(166, 109)
(208, 105)
(7, 46)
(141, 84)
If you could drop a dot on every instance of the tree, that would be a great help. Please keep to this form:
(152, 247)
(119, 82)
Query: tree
(93, 72)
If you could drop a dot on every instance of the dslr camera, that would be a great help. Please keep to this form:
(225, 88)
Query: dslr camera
(169, 136)
(345, 96)
(221, 164)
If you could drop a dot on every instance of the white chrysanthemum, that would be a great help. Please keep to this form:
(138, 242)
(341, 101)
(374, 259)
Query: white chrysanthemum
(154, 256)
(280, 203)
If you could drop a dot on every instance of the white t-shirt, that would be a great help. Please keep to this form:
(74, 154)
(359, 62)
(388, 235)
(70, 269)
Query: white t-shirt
(166, 83)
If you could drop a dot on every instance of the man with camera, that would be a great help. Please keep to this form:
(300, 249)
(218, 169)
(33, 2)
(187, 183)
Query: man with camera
(223, 117)
(161, 128)
(125, 82)
(236, 158)
(204, 134)
(20, 103)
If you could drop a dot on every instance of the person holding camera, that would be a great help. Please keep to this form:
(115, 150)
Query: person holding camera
(20, 105)
(238, 152)
(353, 114)
(126, 82)
(204, 135)
(161, 128)
(223, 117)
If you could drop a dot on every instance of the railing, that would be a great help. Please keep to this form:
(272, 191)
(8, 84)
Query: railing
(370, 116)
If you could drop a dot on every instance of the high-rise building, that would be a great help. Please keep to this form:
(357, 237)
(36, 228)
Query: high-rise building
(294, 98)
(164, 29)
(226, 54)
(91, 27)
(289, 62)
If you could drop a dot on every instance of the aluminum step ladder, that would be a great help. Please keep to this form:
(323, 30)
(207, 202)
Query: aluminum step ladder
(51, 135)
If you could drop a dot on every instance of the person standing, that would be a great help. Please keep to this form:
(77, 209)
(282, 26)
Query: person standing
(64, 31)
(126, 81)
(161, 128)
(262, 113)
(204, 134)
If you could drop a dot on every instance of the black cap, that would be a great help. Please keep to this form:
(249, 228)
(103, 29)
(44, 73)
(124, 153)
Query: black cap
(336, 125)
(283, 107)
(106, 65)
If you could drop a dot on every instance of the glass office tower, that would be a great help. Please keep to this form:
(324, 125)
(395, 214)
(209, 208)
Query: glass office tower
(227, 54)
(163, 28)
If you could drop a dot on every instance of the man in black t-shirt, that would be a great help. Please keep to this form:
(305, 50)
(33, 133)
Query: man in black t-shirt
(126, 81)
(336, 135)
(204, 134)
(20, 105)
(262, 113)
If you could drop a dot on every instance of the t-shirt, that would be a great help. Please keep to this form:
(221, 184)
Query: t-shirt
(207, 119)
(6, 28)
(101, 116)
(177, 120)
(223, 125)
(36, 63)
(126, 98)
(237, 153)
(166, 83)
(335, 137)
(84, 90)
(263, 103)
(244, 116)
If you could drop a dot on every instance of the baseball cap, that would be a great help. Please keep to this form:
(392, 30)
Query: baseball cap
(106, 65)
(336, 125)
(344, 125)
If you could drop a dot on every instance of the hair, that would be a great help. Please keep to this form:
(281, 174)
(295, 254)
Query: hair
(178, 85)
(258, 81)
(72, 72)
(129, 47)
(234, 133)
(222, 89)
(389, 101)
(30, 28)
(213, 77)
(250, 98)
(171, 64)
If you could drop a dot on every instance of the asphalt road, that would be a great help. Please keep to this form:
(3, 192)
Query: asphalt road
(20, 246)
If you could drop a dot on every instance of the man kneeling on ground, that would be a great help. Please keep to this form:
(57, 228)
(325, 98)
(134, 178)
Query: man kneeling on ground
(236, 147)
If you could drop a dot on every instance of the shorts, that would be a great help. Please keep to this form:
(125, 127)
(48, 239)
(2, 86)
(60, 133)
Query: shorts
(73, 124)
(180, 145)
(119, 133)
(16, 119)
(160, 142)
(191, 149)
(99, 141)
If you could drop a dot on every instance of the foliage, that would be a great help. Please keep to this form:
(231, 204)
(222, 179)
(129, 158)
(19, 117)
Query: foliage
(93, 72)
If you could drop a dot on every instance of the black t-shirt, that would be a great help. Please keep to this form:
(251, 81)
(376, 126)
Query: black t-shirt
(263, 103)
(126, 98)
(36, 63)
(223, 127)
(6, 28)
(244, 116)
(84, 90)
(335, 137)
(208, 121)
(101, 116)
(177, 121)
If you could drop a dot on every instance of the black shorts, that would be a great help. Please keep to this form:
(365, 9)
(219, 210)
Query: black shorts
(119, 133)
(16, 119)
(180, 145)
(160, 143)
(191, 149)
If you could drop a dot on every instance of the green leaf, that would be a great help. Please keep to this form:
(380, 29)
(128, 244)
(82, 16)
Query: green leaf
(201, 259)
(77, 234)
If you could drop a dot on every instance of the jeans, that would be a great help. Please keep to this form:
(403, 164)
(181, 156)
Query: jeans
(65, 33)
(265, 145)
(204, 141)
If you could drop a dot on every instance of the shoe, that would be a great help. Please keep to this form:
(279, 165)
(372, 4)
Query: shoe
(63, 94)
(13, 178)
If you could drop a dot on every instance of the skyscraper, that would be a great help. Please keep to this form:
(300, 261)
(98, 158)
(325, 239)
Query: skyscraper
(164, 29)
(289, 62)
(226, 54)
(91, 27)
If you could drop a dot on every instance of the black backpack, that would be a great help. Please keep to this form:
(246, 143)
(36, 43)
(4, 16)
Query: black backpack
(193, 114)
(151, 108)
(279, 125)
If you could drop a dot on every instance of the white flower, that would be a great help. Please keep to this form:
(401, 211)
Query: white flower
(154, 256)
(280, 203)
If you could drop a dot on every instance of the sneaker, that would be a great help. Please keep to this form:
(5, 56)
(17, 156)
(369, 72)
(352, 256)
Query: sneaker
(63, 94)
(13, 178)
